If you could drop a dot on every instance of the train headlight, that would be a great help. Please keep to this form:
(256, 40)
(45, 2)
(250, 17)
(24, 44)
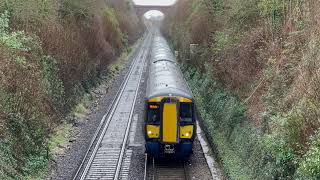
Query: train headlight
(153, 131)
(186, 131)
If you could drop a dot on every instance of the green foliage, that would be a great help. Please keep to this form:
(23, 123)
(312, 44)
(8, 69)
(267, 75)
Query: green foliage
(53, 83)
(283, 156)
(246, 153)
(244, 14)
(23, 118)
(259, 58)
(15, 40)
(35, 164)
(270, 8)
(310, 165)
(29, 12)
(112, 18)
(115, 37)
(60, 137)
(7, 161)
(215, 6)
(4, 22)
(50, 56)
(222, 42)
(77, 9)
(125, 41)
(273, 12)
(222, 115)
(26, 136)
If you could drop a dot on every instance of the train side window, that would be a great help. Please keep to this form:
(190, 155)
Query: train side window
(153, 113)
(186, 112)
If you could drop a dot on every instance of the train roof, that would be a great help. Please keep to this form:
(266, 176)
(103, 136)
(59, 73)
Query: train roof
(165, 77)
(160, 50)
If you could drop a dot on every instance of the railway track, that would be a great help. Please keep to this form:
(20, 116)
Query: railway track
(107, 156)
(165, 169)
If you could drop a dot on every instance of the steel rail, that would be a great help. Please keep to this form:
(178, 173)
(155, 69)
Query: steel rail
(109, 114)
(130, 119)
(145, 166)
(186, 177)
(104, 117)
(107, 125)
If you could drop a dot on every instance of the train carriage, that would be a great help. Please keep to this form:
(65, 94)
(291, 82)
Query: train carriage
(170, 113)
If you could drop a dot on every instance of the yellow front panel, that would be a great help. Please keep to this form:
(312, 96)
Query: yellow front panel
(186, 132)
(153, 131)
(169, 129)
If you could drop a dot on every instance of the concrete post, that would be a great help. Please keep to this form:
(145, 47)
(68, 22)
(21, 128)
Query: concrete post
(193, 51)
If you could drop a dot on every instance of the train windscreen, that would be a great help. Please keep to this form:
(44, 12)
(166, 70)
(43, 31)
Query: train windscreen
(186, 112)
(153, 113)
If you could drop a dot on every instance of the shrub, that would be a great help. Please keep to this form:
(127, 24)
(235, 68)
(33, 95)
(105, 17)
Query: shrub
(223, 118)
(272, 11)
(29, 14)
(310, 165)
(24, 110)
(51, 53)
(52, 82)
(74, 9)
(255, 81)
(244, 15)
(113, 33)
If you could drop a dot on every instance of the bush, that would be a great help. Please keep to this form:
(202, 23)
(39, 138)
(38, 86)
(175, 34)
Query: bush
(52, 82)
(114, 35)
(310, 165)
(51, 54)
(256, 82)
(7, 161)
(244, 15)
(74, 9)
(245, 152)
(29, 14)
(222, 116)
(15, 40)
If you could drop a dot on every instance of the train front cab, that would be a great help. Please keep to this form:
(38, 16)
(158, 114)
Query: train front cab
(170, 126)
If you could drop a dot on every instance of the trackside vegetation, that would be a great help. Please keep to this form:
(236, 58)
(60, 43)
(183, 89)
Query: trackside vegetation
(255, 76)
(52, 53)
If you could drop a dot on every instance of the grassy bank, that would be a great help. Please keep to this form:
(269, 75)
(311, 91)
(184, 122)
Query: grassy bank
(255, 76)
(52, 53)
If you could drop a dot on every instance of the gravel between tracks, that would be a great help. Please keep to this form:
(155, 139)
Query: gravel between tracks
(66, 164)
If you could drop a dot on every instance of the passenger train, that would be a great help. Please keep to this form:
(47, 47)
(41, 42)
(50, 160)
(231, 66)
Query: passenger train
(170, 118)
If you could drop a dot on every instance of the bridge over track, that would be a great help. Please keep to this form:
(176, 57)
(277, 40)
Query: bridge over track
(142, 9)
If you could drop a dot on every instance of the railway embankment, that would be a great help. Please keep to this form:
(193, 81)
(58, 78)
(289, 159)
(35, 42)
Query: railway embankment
(53, 56)
(253, 67)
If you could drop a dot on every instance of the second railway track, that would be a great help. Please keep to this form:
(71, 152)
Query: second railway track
(107, 157)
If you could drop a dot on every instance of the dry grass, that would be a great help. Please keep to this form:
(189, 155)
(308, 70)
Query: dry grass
(242, 64)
